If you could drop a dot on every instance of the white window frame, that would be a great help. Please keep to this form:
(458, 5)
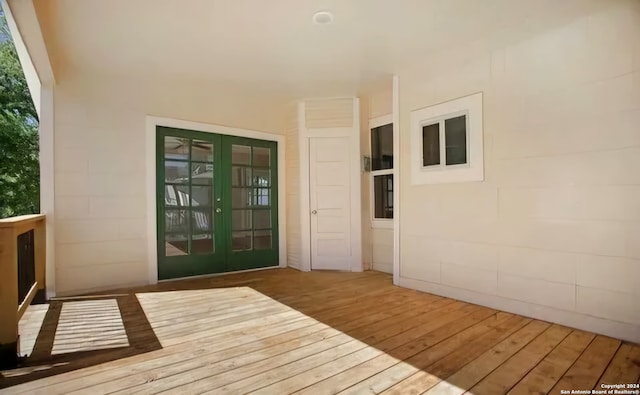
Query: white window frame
(473, 170)
(386, 223)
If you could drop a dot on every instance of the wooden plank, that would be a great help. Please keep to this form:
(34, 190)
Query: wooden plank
(507, 375)
(452, 313)
(428, 322)
(624, 368)
(333, 367)
(587, 369)
(258, 373)
(445, 367)
(425, 350)
(544, 376)
(475, 371)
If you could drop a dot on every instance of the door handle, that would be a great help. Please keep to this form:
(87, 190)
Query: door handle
(314, 212)
(218, 210)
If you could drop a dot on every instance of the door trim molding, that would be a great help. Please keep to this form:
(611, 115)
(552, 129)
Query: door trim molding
(396, 179)
(353, 133)
(150, 160)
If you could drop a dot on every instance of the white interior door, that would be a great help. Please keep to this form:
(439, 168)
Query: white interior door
(330, 203)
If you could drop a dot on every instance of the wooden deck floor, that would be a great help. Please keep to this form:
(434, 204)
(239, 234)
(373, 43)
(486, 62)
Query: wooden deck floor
(283, 331)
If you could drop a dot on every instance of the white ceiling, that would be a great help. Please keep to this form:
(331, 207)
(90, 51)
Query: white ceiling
(272, 43)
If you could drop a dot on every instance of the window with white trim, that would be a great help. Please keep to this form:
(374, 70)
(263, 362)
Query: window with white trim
(447, 142)
(382, 165)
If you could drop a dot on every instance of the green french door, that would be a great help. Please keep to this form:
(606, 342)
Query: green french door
(217, 203)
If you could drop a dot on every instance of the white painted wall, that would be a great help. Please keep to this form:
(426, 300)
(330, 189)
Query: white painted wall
(554, 231)
(100, 167)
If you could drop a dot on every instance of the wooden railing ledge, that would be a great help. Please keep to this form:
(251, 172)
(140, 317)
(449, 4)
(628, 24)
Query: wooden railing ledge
(21, 220)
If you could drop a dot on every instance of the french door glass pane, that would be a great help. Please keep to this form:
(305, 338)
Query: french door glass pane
(240, 155)
(201, 195)
(241, 241)
(176, 244)
(176, 172)
(240, 176)
(242, 197)
(202, 173)
(176, 221)
(202, 244)
(241, 220)
(261, 177)
(201, 222)
(176, 195)
(201, 151)
(261, 219)
(176, 148)
(261, 157)
(261, 197)
(262, 239)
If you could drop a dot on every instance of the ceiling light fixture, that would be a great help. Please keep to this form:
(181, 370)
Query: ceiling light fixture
(323, 18)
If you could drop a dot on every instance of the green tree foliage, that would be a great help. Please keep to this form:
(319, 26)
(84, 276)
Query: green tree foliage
(19, 168)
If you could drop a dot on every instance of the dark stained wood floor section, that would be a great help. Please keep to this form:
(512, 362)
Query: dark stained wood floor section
(283, 331)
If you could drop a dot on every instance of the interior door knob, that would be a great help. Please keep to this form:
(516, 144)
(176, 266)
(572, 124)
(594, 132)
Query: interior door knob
(218, 210)
(314, 212)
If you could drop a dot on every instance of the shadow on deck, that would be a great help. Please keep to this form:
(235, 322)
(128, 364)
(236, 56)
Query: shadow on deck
(80, 332)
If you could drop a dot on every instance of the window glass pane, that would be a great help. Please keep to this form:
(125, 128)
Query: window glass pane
(261, 157)
(202, 173)
(176, 195)
(241, 220)
(176, 148)
(261, 219)
(261, 177)
(382, 147)
(455, 131)
(240, 155)
(177, 172)
(262, 239)
(383, 196)
(241, 241)
(431, 145)
(240, 176)
(201, 151)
